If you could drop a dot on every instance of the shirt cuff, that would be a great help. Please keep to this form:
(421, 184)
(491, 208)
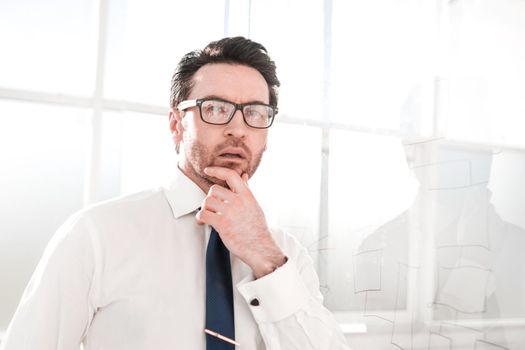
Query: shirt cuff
(275, 296)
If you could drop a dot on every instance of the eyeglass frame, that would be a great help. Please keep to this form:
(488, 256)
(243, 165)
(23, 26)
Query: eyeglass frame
(183, 105)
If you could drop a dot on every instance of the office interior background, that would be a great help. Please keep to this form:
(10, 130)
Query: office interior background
(397, 157)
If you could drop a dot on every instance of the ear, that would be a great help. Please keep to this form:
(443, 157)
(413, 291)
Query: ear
(175, 118)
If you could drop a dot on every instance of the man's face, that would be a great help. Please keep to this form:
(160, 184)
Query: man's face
(235, 145)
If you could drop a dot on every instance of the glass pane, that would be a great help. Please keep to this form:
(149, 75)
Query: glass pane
(507, 185)
(147, 40)
(369, 184)
(382, 66)
(43, 161)
(49, 45)
(483, 80)
(142, 145)
(442, 268)
(289, 171)
(299, 58)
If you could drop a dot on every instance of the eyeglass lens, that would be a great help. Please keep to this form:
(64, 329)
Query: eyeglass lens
(220, 112)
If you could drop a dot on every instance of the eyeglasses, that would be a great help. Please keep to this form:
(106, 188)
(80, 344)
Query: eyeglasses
(220, 112)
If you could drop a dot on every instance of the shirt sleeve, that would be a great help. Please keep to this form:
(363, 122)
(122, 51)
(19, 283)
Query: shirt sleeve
(56, 307)
(287, 306)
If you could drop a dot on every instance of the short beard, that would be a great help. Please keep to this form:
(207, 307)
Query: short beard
(198, 157)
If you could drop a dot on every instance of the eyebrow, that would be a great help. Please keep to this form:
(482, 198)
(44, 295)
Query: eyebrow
(224, 99)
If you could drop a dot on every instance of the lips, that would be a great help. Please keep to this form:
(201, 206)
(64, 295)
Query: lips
(233, 153)
(230, 155)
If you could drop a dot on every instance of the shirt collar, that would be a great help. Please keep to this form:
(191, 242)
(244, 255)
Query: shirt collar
(183, 195)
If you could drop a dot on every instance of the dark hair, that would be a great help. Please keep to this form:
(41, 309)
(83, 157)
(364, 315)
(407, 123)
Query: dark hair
(237, 50)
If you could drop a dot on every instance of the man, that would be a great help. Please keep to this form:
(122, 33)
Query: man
(192, 266)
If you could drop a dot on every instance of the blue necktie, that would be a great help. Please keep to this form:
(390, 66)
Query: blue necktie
(219, 294)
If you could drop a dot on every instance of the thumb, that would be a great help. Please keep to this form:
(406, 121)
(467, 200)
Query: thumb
(198, 218)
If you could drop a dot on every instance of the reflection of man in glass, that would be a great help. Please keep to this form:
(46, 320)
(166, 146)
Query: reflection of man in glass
(171, 268)
(453, 240)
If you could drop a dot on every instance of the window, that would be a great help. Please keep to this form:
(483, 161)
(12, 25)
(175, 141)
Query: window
(396, 158)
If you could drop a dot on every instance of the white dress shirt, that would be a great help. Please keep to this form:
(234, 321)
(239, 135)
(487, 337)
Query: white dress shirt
(129, 274)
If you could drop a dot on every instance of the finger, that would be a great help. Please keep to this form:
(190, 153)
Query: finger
(208, 217)
(213, 204)
(221, 193)
(231, 177)
(197, 217)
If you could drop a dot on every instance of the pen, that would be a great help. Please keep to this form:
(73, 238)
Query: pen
(222, 337)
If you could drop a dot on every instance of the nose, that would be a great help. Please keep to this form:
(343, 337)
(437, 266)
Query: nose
(236, 127)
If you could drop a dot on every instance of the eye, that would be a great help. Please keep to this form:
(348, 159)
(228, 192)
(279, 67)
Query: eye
(256, 112)
(214, 107)
(251, 113)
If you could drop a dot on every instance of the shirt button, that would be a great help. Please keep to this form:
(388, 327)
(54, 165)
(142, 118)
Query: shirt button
(254, 302)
